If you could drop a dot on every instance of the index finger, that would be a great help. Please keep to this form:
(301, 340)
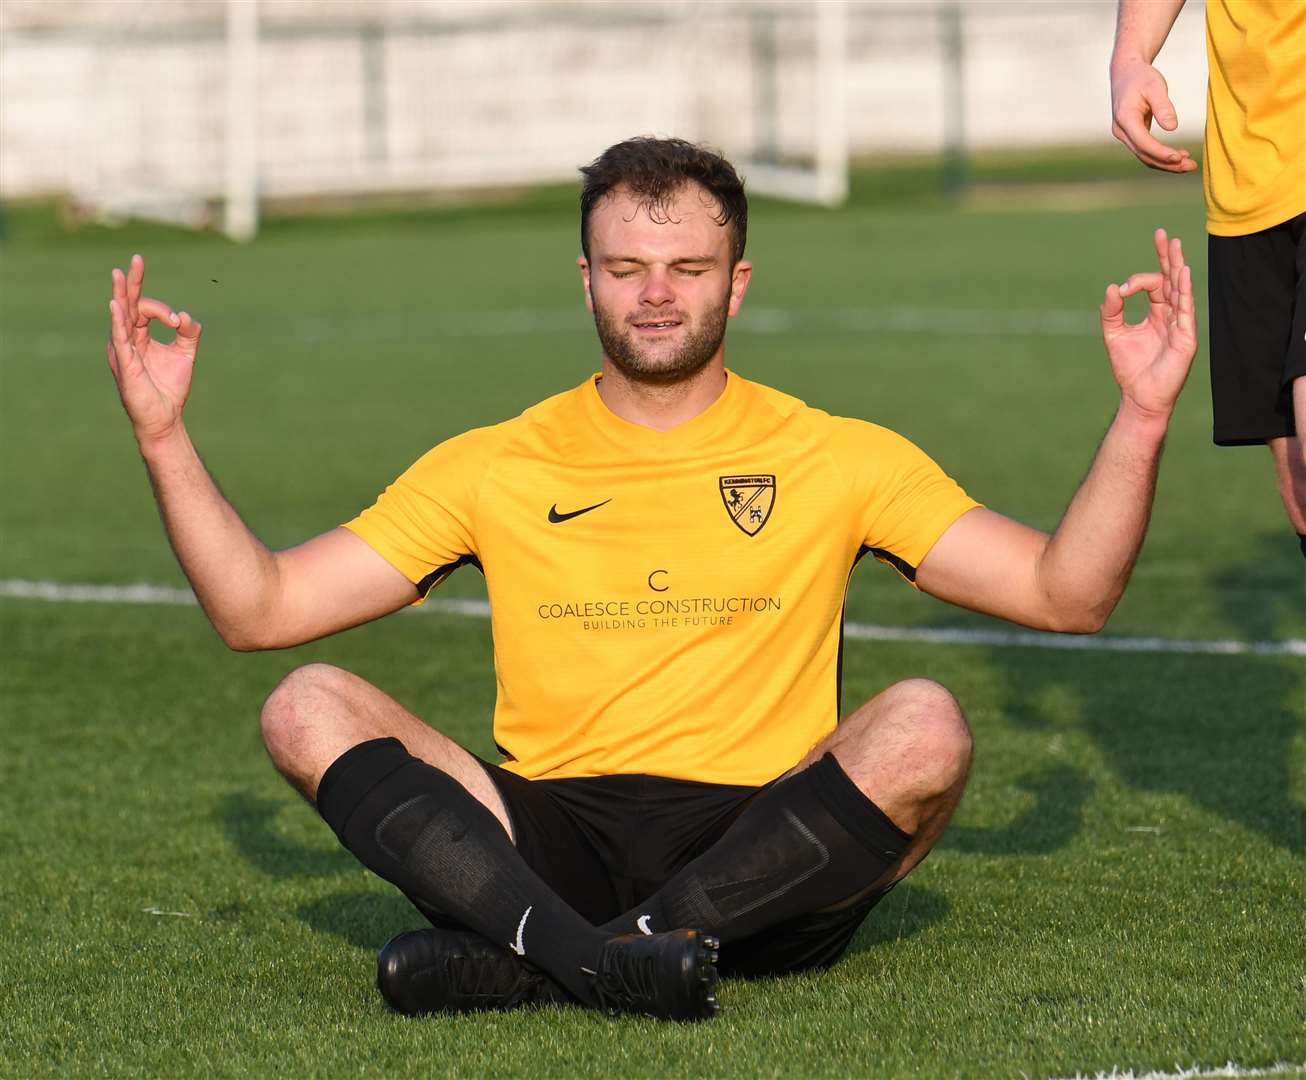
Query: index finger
(149, 308)
(1151, 282)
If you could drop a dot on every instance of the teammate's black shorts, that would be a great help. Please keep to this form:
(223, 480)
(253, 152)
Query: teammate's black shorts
(1257, 297)
(605, 843)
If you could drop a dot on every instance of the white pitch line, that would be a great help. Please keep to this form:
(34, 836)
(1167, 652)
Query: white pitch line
(1099, 643)
(1280, 1068)
(526, 322)
(142, 593)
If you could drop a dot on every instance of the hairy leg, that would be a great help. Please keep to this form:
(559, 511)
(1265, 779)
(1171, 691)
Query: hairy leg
(421, 812)
(1290, 463)
(319, 711)
(853, 816)
(909, 749)
(1299, 441)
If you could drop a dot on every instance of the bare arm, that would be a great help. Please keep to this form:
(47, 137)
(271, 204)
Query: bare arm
(255, 598)
(1073, 579)
(1138, 91)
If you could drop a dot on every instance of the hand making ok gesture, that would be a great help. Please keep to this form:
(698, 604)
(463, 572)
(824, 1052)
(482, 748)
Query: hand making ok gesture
(153, 377)
(1151, 359)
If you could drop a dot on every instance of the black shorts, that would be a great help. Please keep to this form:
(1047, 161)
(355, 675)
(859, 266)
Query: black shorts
(605, 843)
(1257, 296)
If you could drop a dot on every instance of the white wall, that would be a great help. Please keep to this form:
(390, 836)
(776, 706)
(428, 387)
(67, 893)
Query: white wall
(402, 93)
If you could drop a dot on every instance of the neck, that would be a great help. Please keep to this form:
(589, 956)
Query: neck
(662, 407)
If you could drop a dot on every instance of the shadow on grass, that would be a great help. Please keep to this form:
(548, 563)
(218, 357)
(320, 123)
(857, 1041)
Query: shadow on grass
(1262, 601)
(363, 919)
(907, 910)
(247, 820)
(366, 920)
(1050, 824)
(1218, 730)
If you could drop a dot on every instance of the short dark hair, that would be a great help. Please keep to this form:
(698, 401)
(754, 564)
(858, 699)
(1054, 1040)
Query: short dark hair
(654, 171)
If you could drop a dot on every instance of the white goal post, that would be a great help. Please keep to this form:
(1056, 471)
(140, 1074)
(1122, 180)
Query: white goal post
(206, 111)
(349, 101)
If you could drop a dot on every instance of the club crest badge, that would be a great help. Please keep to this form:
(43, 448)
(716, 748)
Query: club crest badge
(749, 500)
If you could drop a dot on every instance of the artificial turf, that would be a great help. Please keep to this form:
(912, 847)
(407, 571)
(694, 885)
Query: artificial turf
(1124, 885)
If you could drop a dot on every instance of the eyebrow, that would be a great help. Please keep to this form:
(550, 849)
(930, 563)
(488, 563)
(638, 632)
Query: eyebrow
(644, 262)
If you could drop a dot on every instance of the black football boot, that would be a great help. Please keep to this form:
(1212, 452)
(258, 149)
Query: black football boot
(669, 976)
(453, 971)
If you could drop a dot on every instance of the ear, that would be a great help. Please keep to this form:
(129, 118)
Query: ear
(739, 279)
(584, 265)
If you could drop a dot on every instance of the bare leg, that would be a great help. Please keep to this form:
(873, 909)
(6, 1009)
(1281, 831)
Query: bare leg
(427, 818)
(319, 711)
(1290, 464)
(909, 750)
(832, 830)
(1299, 412)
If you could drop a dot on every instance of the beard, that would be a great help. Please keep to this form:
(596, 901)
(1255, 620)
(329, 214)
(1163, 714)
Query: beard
(657, 363)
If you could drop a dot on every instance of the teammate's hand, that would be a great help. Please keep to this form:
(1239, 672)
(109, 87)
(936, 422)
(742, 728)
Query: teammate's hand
(1139, 93)
(1151, 359)
(153, 377)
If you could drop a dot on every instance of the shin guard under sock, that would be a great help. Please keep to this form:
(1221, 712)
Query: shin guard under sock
(421, 830)
(806, 843)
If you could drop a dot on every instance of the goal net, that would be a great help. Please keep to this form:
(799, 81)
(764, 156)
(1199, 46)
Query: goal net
(217, 108)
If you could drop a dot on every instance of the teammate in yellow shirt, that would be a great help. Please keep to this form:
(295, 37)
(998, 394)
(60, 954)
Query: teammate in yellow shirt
(1255, 185)
(666, 548)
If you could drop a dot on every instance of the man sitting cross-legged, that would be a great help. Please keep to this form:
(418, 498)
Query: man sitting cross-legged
(666, 549)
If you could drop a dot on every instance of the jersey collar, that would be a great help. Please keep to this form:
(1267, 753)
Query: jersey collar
(717, 420)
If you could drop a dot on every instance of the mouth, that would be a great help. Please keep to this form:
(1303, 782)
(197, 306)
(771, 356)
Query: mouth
(657, 326)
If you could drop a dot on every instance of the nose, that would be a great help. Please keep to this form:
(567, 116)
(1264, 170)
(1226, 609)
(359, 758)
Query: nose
(657, 287)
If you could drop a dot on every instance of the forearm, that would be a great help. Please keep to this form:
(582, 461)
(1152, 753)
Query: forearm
(233, 574)
(1141, 29)
(1087, 562)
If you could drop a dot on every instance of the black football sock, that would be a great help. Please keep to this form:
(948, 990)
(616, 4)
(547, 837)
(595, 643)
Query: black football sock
(1302, 538)
(421, 830)
(805, 843)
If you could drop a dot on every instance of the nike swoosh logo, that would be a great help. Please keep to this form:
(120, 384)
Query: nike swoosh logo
(556, 517)
(642, 923)
(519, 946)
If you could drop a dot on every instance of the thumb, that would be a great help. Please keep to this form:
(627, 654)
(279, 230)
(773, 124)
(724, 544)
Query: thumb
(188, 330)
(1158, 100)
(1112, 310)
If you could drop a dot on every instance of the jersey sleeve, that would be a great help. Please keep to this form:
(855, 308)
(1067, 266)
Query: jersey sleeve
(424, 524)
(905, 500)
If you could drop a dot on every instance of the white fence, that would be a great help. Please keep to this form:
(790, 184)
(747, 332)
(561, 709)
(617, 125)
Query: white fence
(191, 99)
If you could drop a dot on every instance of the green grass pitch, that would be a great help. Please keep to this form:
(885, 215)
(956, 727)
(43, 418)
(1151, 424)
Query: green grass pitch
(1124, 886)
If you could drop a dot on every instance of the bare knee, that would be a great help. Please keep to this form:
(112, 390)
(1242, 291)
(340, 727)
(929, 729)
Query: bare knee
(911, 738)
(300, 717)
(937, 731)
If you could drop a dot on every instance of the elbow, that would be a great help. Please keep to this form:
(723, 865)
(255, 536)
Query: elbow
(245, 628)
(1086, 624)
(1078, 607)
(1085, 619)
(238, 640)
(246, 638)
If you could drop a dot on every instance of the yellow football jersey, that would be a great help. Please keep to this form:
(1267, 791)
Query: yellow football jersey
(1255, 162)
(666, 603)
